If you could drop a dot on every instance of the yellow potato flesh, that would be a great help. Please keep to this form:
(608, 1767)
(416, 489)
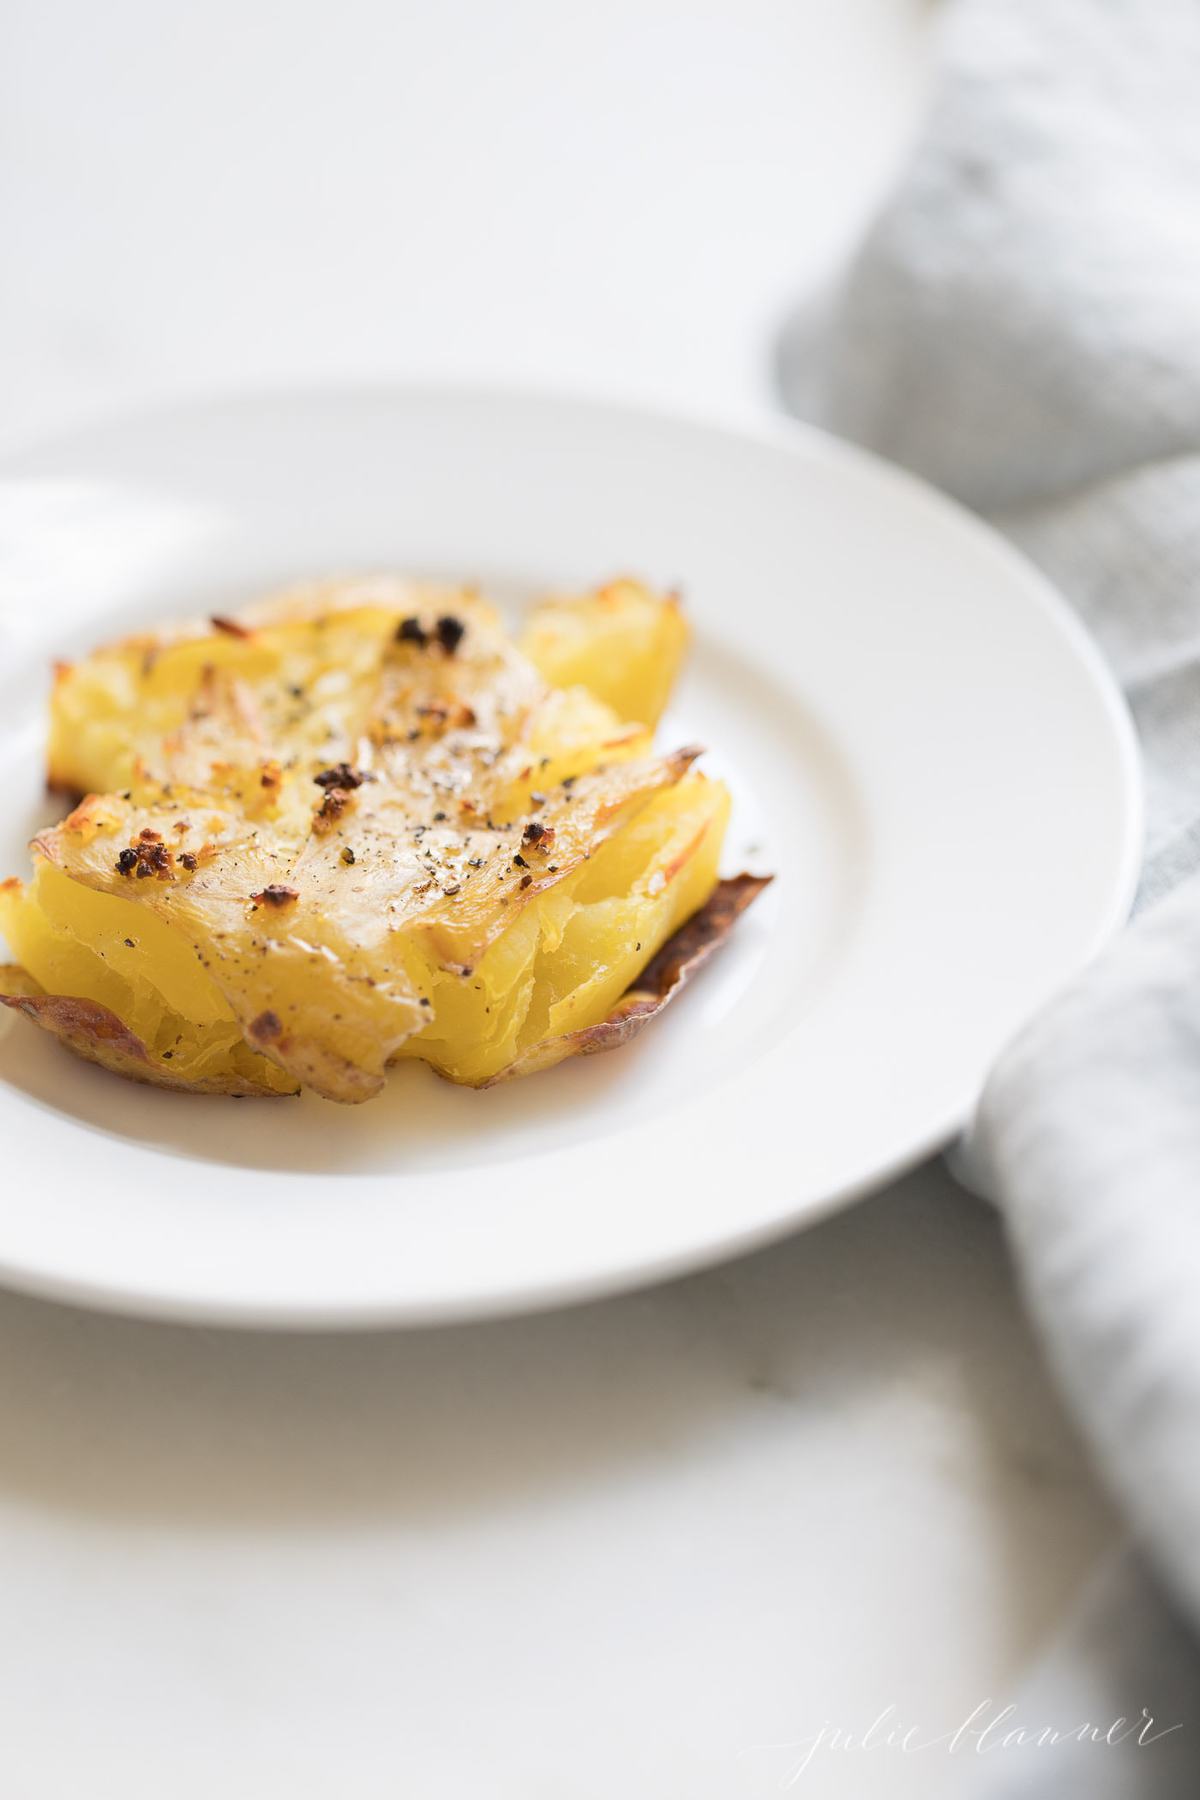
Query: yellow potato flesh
(572, 954)
(560, 967)
(623, 646)
(73, 940)
(624, 643)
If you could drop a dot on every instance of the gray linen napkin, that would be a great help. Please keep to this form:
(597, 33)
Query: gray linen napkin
(1022, 327)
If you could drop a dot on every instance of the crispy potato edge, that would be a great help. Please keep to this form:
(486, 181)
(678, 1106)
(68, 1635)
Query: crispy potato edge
(95, 1033)
(666, 975)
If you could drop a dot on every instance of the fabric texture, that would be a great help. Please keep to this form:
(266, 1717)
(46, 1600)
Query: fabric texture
(1022, 327)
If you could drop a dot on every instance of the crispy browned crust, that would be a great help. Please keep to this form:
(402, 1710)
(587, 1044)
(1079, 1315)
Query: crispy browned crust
(666, 975)
(96, 1034)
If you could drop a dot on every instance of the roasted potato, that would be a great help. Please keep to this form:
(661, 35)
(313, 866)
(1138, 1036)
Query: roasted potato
(356, 824)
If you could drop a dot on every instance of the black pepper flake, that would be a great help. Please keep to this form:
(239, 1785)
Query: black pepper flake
(568, 781)
(450, 633)
(438, 817)
(520, 861)
(451, 889)
(348, 855)
(533, 833)
(474, 862)
(423, 1001)
(525, 881)
(411, 631)
(129, 944)
(167, 1055)
(341, 776)
(127, 862)
(553, 868)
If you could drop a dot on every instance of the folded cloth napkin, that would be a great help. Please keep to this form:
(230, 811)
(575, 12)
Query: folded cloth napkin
(1022, 327)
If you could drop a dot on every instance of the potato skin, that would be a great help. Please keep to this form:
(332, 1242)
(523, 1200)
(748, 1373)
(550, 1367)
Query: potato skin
(95, 1033)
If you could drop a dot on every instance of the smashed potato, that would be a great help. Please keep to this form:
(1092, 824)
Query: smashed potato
(356, 824)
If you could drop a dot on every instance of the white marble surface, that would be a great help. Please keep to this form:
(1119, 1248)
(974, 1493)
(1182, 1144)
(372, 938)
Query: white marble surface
(627, 1549)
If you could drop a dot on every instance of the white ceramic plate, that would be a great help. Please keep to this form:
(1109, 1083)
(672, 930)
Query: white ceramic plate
(922, 744)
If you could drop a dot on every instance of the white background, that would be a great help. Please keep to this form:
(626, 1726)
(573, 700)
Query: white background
(625, 194)
(620, 1551)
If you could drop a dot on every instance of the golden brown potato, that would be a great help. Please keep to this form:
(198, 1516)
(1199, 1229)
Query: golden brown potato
(354, 825)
